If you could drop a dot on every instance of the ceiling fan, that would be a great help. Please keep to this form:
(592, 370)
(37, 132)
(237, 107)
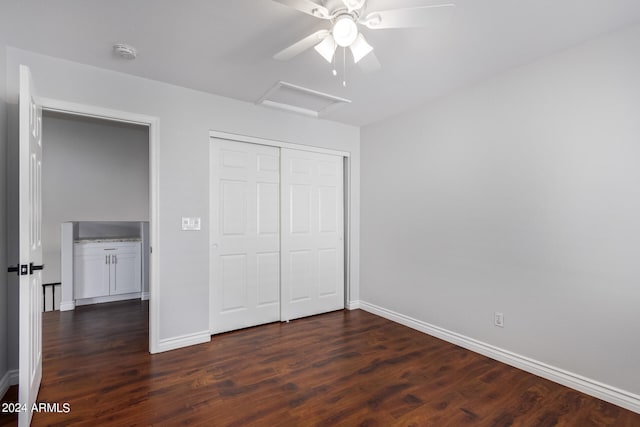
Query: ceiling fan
(345, 17)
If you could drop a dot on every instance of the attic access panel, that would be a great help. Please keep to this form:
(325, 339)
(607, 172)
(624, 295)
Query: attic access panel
(298, 99)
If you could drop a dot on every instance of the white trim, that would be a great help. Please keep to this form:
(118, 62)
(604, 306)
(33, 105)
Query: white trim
(275, 143)
(67, 305)
(144, 296)
(108, 298)
(83, 110)
(184, 341)
(154, 237)
(589, 386)
(8, 379)
(346, 234)
(290, 108)
(154, 204)
(353, 305)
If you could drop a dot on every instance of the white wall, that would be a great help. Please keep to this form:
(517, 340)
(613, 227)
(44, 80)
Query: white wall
(520, 195)
(3, 218)
(93, 170)
(186, 116)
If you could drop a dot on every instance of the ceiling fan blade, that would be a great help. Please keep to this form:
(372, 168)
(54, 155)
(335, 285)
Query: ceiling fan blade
(413, 17)
(307, 6)
(369, 63)
(353, 4)
(300, 46)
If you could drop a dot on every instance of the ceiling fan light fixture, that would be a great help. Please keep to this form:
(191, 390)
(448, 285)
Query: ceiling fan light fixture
(344, 30)
(327, 48)
(360, 48)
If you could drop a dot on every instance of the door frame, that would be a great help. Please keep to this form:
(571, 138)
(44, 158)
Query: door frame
(153, 123)
(346, 156)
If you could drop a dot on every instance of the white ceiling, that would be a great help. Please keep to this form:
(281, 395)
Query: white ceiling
(226, 46)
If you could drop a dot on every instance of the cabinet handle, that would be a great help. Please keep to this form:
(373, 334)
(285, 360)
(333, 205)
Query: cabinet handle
(106, 259)
(115, 259)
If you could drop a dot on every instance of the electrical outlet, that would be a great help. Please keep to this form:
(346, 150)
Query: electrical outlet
(498, 319)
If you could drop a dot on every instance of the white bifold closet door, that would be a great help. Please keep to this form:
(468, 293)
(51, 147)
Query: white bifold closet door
(278, 250)
(312, 223)
(246, 270)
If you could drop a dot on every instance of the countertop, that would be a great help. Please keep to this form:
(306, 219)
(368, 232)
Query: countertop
(107, 239)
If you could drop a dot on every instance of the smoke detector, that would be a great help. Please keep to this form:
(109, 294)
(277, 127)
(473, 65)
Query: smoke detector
(125, 51)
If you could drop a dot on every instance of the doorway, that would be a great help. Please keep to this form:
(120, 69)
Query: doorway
(151, 124)
(95, 190)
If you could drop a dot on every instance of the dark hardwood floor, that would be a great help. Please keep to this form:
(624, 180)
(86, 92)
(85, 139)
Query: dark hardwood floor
(342, 368)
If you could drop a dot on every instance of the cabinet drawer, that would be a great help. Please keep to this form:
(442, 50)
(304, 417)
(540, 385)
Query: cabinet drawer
(90, 248)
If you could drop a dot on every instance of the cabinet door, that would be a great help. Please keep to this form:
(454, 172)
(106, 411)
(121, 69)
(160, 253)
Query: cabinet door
(126, 271)
(91, 275)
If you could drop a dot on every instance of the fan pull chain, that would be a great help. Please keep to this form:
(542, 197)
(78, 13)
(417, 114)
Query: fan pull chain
(333, 64)
(344, 67)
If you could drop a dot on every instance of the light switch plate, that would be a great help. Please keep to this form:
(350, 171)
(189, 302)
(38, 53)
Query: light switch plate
(190, 223)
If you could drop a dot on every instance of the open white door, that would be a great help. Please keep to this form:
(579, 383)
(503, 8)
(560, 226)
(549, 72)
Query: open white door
(30, 267)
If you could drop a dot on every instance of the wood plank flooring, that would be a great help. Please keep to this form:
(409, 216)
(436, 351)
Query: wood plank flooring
(346, 368)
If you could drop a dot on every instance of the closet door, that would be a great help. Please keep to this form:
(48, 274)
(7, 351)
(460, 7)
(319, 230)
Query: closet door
(312, 233)
(246, 261)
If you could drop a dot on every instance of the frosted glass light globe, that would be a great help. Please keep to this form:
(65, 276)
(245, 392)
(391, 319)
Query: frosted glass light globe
(345, 31)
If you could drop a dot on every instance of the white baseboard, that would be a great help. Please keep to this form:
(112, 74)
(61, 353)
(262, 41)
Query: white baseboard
(145, 296)
(8, 379)
(109, 298)
(353, 305)
(588, 386)
(67, 305)
(184, 341)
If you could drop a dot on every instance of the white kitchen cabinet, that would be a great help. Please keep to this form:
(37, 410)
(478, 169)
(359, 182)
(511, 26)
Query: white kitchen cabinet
(107, 267)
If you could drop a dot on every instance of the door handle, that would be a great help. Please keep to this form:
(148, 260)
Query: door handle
(21, 269)
(33, 268)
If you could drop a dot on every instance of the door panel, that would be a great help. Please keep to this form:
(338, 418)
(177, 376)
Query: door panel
(312, 217)
(30, 214)
(245, 255)
(327, 208)
(327, 272)
(268, 276)
(300, 203)
(268, 219)
(234, 207)
(234, 282)
(300, 274)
